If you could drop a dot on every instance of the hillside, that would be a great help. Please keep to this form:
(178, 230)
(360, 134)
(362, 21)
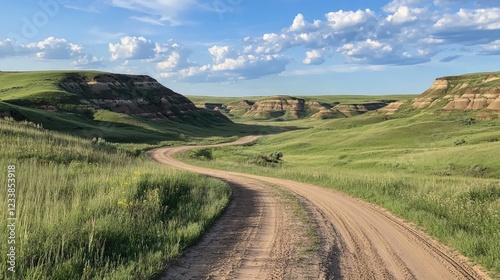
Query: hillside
(284, 107)
(116, 107)
(438, 171)
(89, 91)
(89, 210)
(477, 93)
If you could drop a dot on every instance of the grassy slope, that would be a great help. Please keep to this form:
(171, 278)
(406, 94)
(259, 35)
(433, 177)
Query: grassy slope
(416, 166)
(90, 211)
(466, 83)
(328, 99)
(19, 90)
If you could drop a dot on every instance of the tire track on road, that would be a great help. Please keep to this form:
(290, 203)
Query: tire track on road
(358, 240)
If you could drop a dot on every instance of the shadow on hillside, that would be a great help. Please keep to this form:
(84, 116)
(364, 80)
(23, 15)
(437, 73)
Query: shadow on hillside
(131, 129)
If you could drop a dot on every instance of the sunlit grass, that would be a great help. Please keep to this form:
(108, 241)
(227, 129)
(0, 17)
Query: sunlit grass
(412, 168)
(91, 211)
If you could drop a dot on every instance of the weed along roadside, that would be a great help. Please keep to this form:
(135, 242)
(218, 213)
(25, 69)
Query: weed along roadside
(413, 168)
(357, 238)
(409, 191)
(87, 211)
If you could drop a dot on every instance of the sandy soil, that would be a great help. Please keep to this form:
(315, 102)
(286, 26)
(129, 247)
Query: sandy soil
(260, 237)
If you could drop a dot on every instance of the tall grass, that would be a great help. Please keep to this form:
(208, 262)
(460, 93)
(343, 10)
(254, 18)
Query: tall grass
(91, 211)
(416, 174)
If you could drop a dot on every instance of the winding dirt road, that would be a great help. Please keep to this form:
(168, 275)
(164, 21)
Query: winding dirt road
(263, 235)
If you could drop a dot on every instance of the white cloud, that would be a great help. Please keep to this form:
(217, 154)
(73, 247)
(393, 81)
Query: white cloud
(404, 32)
(393, 6)
(299, 24)
(88, 61)
(9, 48)
(314, 57)
(343, 20)
(229, 64)
(169, 56)
(53, 48)
(491, 49)
(175, 57)
(485, 19)
(469, 26)
(50, 48)
(132, 48)
(405, 14)
(382, 53)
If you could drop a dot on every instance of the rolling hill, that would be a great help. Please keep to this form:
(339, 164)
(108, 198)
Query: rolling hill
(478, 94)
(116, 107)
(285, 107)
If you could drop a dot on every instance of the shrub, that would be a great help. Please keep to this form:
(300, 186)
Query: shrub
(272, 160)
(204, 153)
(476, 170)
(467, 121)
(460, 142)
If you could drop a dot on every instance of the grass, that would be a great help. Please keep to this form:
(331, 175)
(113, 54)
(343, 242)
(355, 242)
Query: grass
(409, 165)
(242, 116)
(467, 83)
(40, 97)
(137, 132)
(88, 210)
(327, 99)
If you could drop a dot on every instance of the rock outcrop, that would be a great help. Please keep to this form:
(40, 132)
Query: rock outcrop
(277, 106)
(472, 92)
(134, 95)
(288, 107)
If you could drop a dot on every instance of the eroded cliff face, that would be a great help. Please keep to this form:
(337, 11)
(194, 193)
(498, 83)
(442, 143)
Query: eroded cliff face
(471, 92)
(134, 95)
(295, 108)
(277, 106)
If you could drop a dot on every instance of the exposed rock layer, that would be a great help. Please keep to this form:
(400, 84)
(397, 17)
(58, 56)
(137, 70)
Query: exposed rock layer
(295, 108)
(466, 93)
(134, 95)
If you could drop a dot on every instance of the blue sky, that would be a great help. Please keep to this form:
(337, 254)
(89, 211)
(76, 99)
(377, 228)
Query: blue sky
(251, 47)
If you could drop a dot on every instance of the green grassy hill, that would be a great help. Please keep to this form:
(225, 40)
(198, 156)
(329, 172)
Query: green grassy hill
(438, 171)
(88, 210)
(73, 102)
(283, 107)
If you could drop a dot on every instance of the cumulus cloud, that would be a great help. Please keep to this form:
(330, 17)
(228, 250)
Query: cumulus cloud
(491, 49)
(484, 19)
(168, 56)
(229, 64)
(405, 14)
(345, 20)
(54, 48)
(405, 32)
(132, 48)
(88, 61)
(314, 57)
(469, 26)
(10, 48)
(50, 48)
(174, 56)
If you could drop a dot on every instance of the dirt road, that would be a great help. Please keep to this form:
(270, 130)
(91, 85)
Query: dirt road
(261, 236)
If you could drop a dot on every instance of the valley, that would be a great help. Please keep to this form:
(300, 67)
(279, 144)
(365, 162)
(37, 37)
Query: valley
(401, 186)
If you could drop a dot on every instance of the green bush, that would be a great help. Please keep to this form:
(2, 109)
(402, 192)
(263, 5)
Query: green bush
(204, 153)
(476, 170)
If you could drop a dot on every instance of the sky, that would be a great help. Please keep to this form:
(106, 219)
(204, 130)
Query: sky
(254, 47)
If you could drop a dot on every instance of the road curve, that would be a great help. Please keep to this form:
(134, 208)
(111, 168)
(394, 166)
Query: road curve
(258, 237)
